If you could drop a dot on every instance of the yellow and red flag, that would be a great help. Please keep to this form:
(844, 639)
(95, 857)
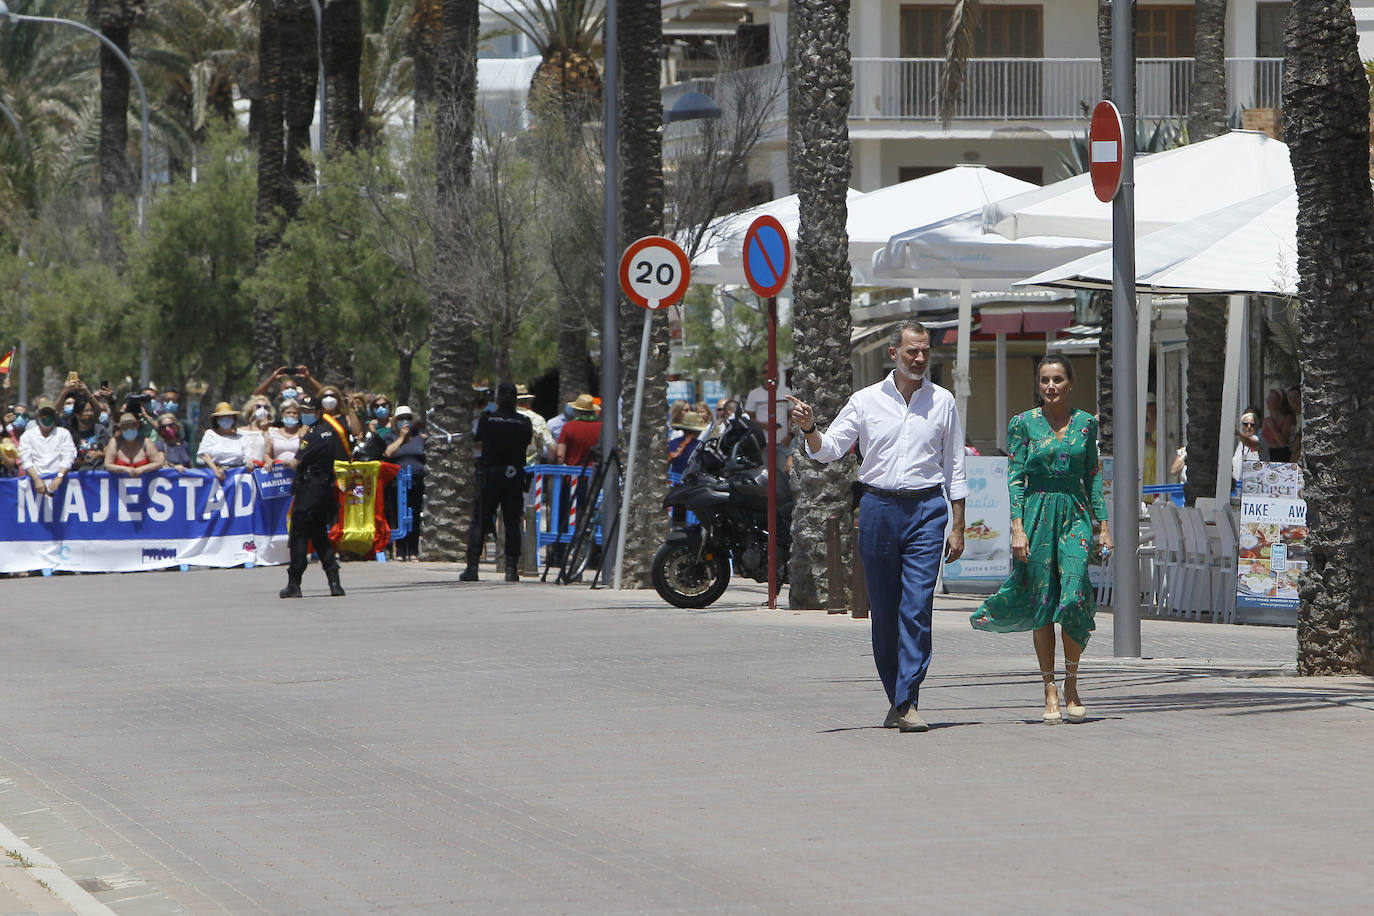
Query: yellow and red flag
(5, 363)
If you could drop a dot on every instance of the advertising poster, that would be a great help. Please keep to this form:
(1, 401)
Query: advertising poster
(682, 390)
(987, 523)
(712, 390)
(1273, 536)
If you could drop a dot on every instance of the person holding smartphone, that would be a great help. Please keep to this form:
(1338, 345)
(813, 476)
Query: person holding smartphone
(407, 448)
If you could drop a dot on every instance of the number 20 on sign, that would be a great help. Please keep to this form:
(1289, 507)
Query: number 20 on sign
(654, 272)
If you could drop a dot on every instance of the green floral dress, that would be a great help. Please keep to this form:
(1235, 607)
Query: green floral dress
(1056, 490)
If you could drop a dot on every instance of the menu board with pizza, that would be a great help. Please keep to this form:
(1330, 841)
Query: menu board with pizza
(1273, 535)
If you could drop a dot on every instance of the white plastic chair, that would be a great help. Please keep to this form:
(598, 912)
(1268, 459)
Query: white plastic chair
(1169, 578)
(1203, 557)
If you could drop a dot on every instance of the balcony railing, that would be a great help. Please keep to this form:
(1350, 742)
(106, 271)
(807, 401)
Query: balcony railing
(1019, 89)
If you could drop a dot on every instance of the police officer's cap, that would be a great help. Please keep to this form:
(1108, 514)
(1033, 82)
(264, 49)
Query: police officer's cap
(306, 401)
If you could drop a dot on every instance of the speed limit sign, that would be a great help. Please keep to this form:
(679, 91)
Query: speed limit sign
(654, 272)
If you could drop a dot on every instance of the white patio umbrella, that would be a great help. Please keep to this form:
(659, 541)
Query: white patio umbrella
(956, 253)
(875, 217)
(707, 266)
(1170, 187)
(1245, 248)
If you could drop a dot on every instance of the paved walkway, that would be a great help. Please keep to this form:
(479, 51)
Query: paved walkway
(186, 742)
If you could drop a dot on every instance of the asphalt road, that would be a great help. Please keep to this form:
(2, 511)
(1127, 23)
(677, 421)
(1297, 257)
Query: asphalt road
(186, 742)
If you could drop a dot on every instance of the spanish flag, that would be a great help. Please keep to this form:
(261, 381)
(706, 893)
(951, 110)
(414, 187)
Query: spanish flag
(5, 363)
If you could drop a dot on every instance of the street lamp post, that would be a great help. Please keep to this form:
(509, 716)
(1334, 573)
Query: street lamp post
(610, 289)
(145, 184)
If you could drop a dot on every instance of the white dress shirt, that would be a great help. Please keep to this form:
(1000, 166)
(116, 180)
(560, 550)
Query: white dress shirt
(225, 451)
(48, 454)
(905, 446)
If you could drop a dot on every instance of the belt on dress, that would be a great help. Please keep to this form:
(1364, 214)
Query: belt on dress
(902, 494)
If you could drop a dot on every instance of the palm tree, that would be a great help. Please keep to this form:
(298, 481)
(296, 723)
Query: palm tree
(567, 82)
(1326, 126)
(448, 496)
(423, 31)
(115, 19)
(823, 83)
(388, 71)
(1206, 315)
(343, 57)
(640, 30)
(269, 128)
(299, 84)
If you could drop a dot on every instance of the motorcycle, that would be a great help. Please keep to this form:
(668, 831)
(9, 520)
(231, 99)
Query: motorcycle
(725, 485)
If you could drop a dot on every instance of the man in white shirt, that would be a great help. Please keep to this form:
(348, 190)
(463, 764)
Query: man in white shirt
(46, 448)
(908, 430)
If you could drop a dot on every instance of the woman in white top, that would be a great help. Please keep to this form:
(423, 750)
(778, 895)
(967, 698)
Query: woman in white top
(284, 441)
(222, 447)
(257, 419)
(1251, 446)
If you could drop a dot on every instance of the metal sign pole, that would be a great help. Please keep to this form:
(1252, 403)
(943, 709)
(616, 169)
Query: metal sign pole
(771, 386)
(1125, 511)
(634, 442)
(610, 293)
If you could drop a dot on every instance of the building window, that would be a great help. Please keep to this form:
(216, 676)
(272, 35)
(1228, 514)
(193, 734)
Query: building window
(1163, 31)
(1002, 31)
(1269, 19)
(1032, 173)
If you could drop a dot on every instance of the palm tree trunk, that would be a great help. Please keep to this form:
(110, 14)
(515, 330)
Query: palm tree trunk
(1206, 315)
(449, 485)
(640, 25)
(1103, 301)
(343, 58)
(823, 83)
(422, 44)
(573, 346)
(300, 67)
(1326, 126)
(271, 141)
(1104, 44)
(114, 18)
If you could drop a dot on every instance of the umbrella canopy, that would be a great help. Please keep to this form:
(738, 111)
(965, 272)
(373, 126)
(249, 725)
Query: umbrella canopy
(707, 266)
(1170, 187)
(1249, 247)
(942, 255)
(875, 217)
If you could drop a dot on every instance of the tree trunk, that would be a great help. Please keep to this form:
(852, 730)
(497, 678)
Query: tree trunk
(114, 19)
(405, 375)
(1206, 330)
(300, 67)
(422, 44)
(449, 483)
(343, 57)
(1104, 44)
(823, 83)
(1206, 316)
(572, 353)
(641, 213)
(1326, 126)
(269, 124)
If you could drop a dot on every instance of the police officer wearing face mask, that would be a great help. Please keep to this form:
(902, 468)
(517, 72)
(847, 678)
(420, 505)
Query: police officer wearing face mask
(504, 435)
(315, 499)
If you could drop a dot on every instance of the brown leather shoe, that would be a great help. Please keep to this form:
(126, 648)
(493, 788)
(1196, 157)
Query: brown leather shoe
(911, 720)
(894, 716)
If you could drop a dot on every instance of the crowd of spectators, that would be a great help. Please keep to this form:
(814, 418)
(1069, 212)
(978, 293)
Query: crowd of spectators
(145, 430)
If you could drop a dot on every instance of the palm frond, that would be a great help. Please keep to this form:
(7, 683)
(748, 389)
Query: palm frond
(963, 25)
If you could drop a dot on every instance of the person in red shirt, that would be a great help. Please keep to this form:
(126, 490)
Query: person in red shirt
(581, 434)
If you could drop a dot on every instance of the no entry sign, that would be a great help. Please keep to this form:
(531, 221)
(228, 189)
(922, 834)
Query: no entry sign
(1104, 144)
(654, 272)
(767, 256)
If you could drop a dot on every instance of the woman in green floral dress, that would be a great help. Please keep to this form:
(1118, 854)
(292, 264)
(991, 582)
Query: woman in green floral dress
(1055, 480)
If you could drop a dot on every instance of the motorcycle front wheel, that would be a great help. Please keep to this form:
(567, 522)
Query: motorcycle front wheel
(683, 582)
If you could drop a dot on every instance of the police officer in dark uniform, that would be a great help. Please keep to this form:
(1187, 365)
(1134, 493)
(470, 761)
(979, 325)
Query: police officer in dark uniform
(504, 436)
(315, 496)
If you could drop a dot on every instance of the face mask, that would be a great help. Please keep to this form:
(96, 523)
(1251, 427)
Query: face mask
(260, 414)
(224, 422)
(67, 409)
(308, 419)
(169, 433)
(383, 412)
(104, 416)
(129, 434)
(329, 403)
(169, 406)
(289, 393)
(290, 422)
(20, 422)
(47, 420)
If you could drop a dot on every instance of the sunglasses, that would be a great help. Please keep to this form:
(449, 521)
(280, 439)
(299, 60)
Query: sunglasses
(1244, 424)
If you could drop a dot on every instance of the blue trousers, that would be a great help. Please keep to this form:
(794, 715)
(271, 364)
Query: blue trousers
(901, 543)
